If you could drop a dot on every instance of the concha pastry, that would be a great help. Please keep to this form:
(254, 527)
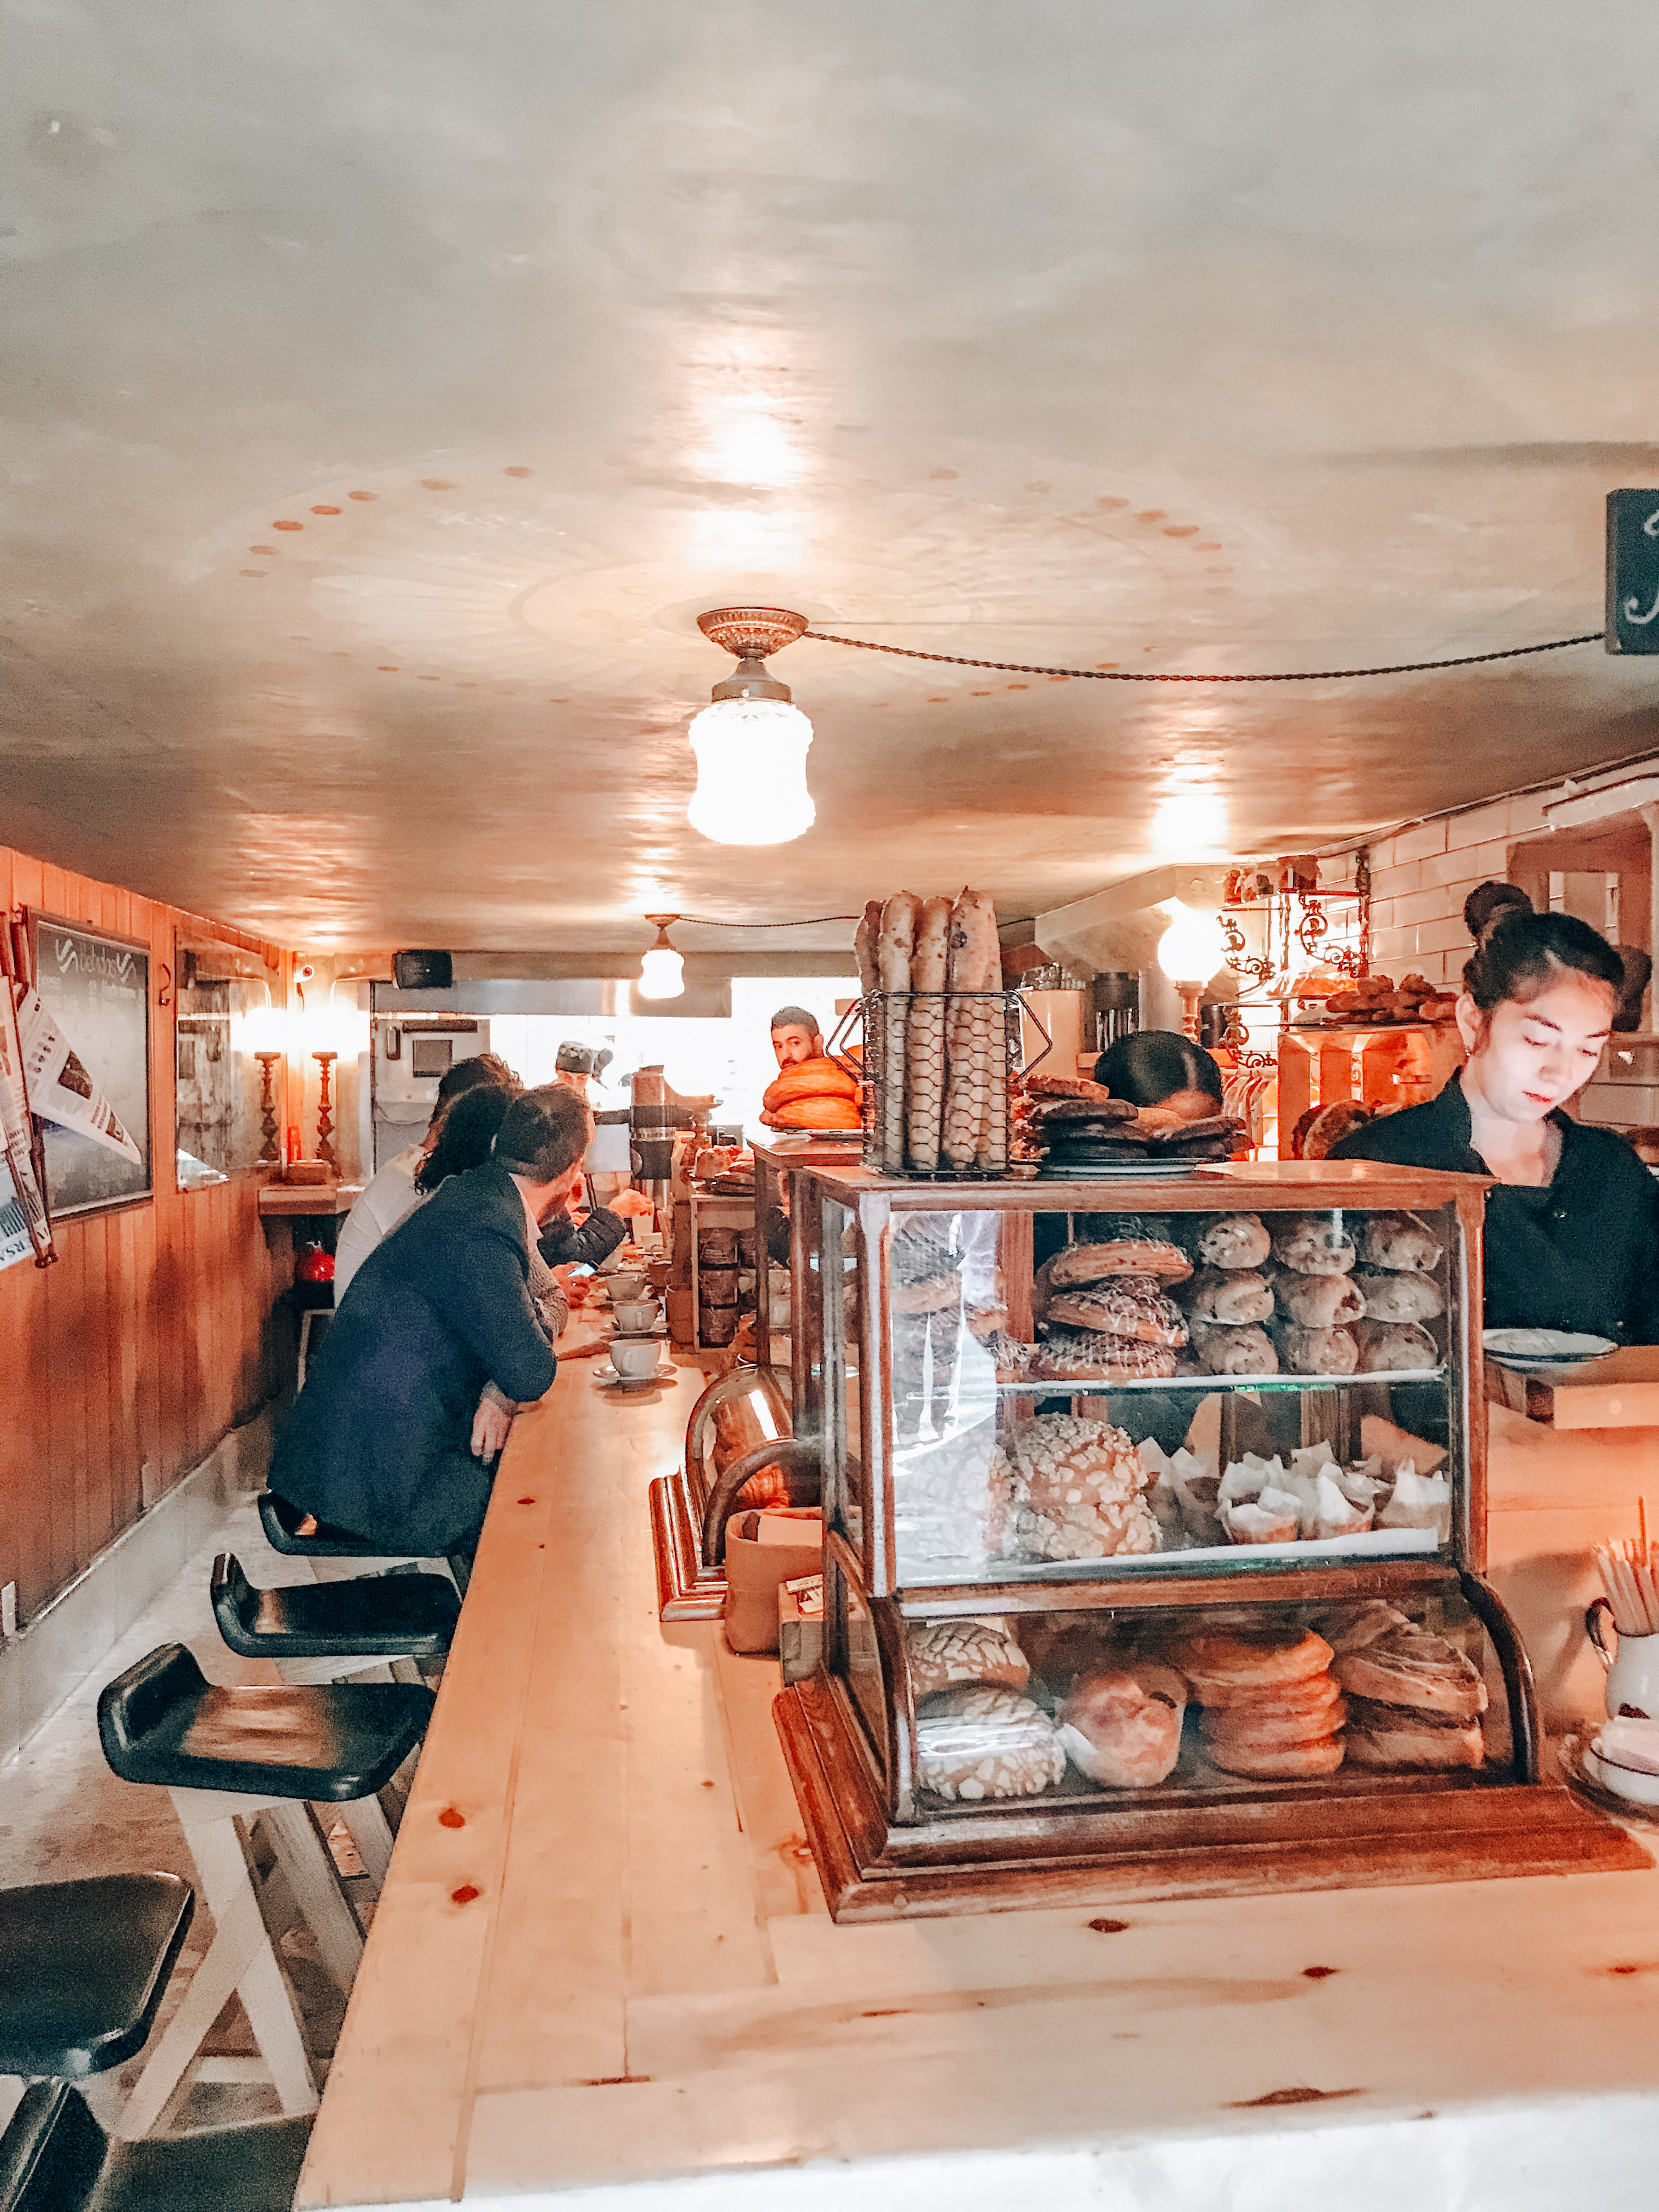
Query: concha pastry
(1077, 1490)
(979, 1741)
(944, 1652)
(1311, 1244)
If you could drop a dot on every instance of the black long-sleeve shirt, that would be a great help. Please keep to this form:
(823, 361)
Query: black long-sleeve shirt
(595, 1239)
(1580, 1254)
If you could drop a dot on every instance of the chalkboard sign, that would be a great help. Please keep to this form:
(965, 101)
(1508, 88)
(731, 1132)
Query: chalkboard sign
(1633, 571)
(88, 1062)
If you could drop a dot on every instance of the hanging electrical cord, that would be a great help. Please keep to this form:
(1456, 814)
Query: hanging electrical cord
(1147, 676)
(806, 922)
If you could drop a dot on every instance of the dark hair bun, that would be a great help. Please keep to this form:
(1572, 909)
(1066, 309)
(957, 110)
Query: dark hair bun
(1487, 900)
(1149, 1065)
(1519, 951)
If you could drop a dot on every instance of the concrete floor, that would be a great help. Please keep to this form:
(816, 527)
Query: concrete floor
(63, 1813)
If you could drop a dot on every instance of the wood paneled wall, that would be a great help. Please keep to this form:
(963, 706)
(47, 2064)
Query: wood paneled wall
(151, 1335)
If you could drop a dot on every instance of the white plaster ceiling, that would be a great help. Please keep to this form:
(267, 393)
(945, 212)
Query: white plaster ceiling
(1229, 336)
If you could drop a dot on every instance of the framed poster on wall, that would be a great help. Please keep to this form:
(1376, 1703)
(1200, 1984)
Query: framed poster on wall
(86, 1051)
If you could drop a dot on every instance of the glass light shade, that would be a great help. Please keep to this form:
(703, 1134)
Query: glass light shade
(751, 772)
(1192, 948)
(662, 974)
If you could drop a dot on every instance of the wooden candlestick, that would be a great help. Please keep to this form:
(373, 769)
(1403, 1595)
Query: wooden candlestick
(325, 1122)
(270, 1154)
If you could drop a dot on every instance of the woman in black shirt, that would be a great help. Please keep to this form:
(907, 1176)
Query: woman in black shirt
(1572, 1227)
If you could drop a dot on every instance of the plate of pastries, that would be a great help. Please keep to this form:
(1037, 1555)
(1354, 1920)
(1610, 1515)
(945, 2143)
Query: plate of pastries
(1077, 1131)
(1377, 1000)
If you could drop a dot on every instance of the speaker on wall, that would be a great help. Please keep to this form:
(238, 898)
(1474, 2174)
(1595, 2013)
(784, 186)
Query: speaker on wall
(423, 971)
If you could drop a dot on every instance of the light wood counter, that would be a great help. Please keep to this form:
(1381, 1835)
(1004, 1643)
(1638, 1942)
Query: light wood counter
(645, 2003)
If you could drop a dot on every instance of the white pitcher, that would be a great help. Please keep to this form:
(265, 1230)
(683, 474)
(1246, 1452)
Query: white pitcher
(1632, 1666)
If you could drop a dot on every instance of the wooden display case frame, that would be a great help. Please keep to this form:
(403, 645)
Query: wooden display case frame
(882, 1851)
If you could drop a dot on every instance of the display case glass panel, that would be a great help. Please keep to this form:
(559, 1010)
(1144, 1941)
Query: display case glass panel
(1192, 1392)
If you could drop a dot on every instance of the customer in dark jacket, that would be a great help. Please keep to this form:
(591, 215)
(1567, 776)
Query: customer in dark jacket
(388, 1439)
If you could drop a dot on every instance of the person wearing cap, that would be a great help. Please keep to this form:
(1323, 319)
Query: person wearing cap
(392, 1439)
(587, 1243)
(389, 1196)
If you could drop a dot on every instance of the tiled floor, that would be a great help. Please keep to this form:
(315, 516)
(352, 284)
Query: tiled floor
(63, 1813)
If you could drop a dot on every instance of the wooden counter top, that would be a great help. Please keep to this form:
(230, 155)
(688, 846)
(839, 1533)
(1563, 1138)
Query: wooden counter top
(1620, 1390)
(617, 1984)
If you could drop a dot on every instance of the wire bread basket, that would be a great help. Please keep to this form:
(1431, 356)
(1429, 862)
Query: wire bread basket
(933, 1074)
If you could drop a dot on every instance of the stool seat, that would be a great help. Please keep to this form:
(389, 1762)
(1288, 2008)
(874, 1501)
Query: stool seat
(162, 1723)
(54, 2157)
(389, 1616)
(280, 1519)
(82, 1968)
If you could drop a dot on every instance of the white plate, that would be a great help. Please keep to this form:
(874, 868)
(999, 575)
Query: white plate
(1545, 1348)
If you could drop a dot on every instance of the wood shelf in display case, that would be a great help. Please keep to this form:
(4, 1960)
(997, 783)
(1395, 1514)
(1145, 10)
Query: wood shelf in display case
(854, 1733)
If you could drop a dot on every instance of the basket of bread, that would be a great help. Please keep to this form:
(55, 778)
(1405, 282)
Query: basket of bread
(941, 1036)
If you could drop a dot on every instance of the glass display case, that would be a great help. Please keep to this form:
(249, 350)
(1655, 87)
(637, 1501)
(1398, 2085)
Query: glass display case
(1155, 1532)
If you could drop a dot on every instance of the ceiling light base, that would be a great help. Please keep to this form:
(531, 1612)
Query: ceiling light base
(751, 633)
(751, 679)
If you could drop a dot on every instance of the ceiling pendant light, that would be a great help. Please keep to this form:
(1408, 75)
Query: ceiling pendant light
(662, 971)
(752, 743)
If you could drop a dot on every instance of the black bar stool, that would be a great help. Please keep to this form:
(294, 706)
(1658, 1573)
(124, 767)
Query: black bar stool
(54, 2157)
(227, 1757)
(83, 1965)
(328, 1548)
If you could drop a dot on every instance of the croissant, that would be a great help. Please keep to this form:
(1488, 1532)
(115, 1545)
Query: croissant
(809, 1078)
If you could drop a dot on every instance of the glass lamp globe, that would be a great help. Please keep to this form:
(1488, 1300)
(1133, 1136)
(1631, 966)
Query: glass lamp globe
(751, 772)
(662, 974)
(1192, 948)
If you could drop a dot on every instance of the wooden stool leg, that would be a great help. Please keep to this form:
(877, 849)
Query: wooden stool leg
(372, 1833)
(303, 1851)
(239, 1958)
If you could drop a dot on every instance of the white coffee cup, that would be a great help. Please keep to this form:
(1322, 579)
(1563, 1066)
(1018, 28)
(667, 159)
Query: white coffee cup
(623, 1288)
(636, 1317)
(634, 1357)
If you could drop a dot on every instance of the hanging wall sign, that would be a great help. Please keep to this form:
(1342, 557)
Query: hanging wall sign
(86, 1053)
(1633, 571)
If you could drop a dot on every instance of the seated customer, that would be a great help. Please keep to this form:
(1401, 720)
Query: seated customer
(1160, 1067)
(388, 1437)
(391, 1195)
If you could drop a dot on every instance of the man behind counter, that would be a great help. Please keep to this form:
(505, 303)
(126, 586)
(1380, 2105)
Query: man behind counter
(796, 1036)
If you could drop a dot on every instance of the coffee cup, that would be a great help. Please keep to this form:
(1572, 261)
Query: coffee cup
(624, 1287)
(634, 1357)
(636, 1316)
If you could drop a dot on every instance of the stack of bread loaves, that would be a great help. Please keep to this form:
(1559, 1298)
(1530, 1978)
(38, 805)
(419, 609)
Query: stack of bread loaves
(1103, 1307)
(1228, 1298)
(1327, 1322)
(1076, 1487)
(1270, 1705)
(1414, 1699)
(937, 1061)
(978, 1734)
(811, 1094)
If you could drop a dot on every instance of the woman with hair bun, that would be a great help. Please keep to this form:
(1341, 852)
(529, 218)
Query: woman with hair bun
(1572, 1227)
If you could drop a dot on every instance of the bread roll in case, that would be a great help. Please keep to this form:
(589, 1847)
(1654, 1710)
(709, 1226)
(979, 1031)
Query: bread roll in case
(1235, 1295)
(1317, 1301)
(1316, 1350)
(1311, 1244)
(1399, 1296)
